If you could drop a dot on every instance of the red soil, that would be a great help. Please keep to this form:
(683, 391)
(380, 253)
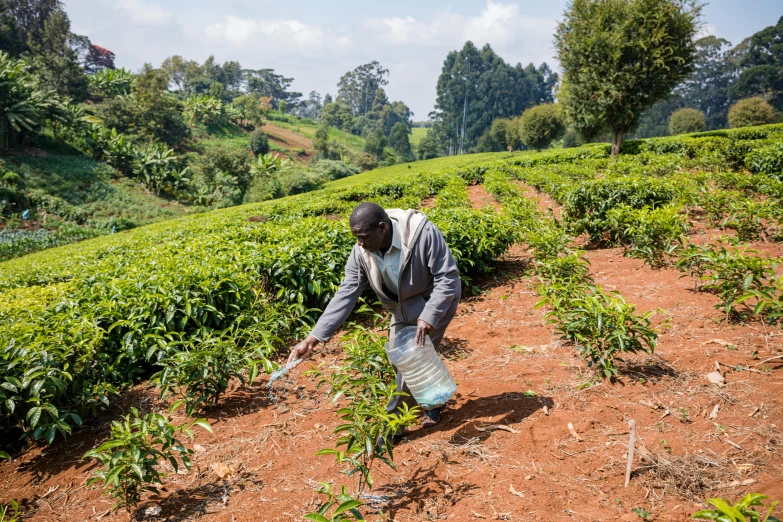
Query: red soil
(533, 468)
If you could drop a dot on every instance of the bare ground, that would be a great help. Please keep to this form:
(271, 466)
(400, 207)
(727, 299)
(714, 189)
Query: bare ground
(504, 450)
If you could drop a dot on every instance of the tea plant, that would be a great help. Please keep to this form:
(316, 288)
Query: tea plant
(745, 216)
(203, 370)
(587, 206)
(731, 275)
(131, 457)
(570, 269)
(602, 326)
(345, 506)
(653, 235)
(5, 512)
(767, 302)
(366, 381)
(742, 511)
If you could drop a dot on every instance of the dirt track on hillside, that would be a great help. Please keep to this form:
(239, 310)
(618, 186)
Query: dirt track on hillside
(503, 450)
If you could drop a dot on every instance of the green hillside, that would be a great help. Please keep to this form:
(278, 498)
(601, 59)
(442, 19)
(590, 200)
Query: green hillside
(115, 309)
(417, 134)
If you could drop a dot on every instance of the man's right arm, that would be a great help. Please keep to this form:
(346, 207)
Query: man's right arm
(338, 309)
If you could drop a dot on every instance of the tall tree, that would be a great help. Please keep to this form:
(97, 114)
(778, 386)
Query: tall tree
(231, 76)
(399, 140)
(175, 68)
(311, 107)
(707, 88)
(619, 57)
(98, 59)
(762, 66)
(12, 39)
(477, 86)
(31, 16)
(267, 83)
(56, 57)
(357, 89)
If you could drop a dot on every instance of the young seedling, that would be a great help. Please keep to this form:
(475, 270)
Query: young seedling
(130, 458)
(744, 510)
(345, 506)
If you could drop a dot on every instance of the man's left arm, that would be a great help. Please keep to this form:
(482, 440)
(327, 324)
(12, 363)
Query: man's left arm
(445, 276)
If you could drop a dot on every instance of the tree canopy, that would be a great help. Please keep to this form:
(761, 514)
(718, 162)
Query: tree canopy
(476, 86)
(762, 66)
(358, 88)
(619, 57)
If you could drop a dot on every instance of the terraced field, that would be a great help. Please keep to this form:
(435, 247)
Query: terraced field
(600, 290)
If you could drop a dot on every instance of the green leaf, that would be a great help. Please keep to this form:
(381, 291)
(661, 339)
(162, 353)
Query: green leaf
(316, 517)
(202, 423)
(345, 506)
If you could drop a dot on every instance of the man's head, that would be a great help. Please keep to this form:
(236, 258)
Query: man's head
(371, 226)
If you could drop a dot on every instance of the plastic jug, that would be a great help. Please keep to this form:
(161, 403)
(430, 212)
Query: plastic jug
(422, 369)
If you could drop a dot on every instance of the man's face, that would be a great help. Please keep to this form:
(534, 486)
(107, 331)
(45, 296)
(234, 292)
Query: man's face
(369, 238)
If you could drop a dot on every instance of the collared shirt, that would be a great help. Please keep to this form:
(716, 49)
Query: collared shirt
(389, 263)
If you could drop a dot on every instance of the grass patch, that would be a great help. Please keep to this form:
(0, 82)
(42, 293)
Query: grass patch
(417, 134)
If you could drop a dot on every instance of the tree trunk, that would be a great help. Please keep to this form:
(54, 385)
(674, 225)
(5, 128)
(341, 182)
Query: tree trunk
(617, 141)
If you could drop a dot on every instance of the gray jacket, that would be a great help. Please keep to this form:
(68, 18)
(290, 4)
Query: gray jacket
(429, 281)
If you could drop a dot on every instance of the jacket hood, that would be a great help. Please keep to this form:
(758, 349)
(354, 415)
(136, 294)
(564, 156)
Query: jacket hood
(409, 224)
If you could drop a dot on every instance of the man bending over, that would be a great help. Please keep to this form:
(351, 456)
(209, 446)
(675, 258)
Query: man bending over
(406, 261)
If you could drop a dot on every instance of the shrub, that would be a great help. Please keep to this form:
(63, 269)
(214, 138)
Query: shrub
(12, 178)
(222, 176)
(601, 325)
(295, 180)
(541, 125)
(259, 143)
(367, 162)
(264, 188)
(586, 206)
(650, 234)
(750, 112)
(685, 121)
(131, 456)
(766, 160)
(333, 169)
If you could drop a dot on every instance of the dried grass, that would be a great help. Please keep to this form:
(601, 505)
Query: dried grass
(688, 477)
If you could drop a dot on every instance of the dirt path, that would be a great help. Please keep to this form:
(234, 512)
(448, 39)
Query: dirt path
(287, 138)
(514, 372)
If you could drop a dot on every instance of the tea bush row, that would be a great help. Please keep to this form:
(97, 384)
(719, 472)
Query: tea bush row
(196, 302)
(602, 325)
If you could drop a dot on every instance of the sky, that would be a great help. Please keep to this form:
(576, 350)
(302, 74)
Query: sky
(316, 42)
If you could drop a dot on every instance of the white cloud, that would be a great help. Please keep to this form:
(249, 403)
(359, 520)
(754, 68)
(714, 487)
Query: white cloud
(500, 25)
(144, 13)
(284, 34)
(496, 24)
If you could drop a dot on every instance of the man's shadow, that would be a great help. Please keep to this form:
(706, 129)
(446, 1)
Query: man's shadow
(513, 407)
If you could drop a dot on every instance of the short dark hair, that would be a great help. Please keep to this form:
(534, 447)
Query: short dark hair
(368, 215)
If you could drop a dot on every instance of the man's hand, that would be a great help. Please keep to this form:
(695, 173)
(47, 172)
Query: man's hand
(423, 330)
(303, 350)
